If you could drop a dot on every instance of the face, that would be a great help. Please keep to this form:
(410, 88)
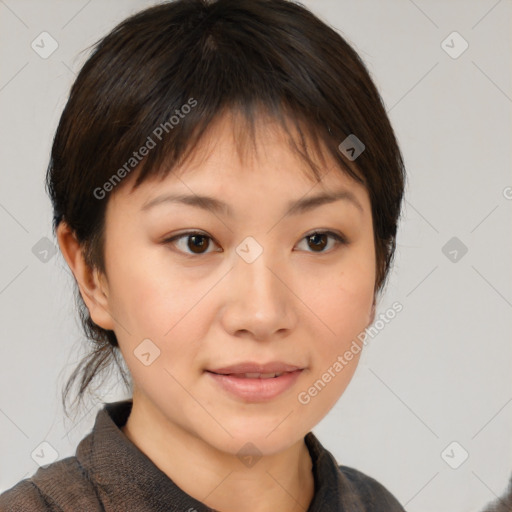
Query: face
(246, 278)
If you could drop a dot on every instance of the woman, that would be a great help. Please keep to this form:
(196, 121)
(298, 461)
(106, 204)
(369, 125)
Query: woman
(226, 189)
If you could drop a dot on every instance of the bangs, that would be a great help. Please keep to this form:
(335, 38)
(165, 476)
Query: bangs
(156, 85)
(169, 154)
(160, 89)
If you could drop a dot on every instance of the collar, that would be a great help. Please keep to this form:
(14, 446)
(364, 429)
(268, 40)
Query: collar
(129, 480)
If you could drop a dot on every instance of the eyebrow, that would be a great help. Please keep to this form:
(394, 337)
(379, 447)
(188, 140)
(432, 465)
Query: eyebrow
(214, 205)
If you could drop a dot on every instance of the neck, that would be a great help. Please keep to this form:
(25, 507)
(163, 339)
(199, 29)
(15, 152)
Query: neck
(282, 481)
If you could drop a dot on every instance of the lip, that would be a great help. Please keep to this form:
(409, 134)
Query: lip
(251, 367)
(255, 389)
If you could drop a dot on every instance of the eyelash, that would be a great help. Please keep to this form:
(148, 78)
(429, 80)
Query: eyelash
(340, 240)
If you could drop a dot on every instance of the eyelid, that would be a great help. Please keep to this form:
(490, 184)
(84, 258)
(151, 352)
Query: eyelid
(186, 234)
(338, 235)
(340, 239)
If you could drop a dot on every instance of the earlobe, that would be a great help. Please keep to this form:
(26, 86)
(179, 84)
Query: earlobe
(92, 287)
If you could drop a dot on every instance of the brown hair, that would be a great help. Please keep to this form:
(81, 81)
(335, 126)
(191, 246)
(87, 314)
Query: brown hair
(245, 56)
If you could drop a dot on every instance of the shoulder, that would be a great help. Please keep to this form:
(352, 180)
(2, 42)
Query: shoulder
(23, 496)
(374, 496)
(57, 487)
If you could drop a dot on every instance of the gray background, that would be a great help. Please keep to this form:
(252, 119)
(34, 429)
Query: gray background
(438, 373)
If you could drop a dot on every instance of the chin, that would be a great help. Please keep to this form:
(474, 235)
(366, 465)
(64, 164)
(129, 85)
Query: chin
(255, 437)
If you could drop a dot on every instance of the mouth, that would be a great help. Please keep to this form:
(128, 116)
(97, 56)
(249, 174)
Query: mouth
(252, 375)
(256, 383)
(254, 370)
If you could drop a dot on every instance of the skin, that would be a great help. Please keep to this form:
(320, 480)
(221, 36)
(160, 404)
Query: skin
(295, 303)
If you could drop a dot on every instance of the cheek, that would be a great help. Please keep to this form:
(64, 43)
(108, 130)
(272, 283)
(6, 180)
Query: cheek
(342, 302)
(342, 298)
(343, 306)
(159, 303)
(149, 295)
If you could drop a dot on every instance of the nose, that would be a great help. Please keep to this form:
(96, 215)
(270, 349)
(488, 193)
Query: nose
(260, 303)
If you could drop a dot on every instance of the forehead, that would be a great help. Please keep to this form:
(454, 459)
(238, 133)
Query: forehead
(234, 155)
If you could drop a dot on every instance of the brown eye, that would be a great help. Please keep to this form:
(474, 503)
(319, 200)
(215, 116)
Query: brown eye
(191, 243)
(194, 243)
(197, 243)
(319, 240)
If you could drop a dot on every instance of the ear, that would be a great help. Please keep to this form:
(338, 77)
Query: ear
(92, 283)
